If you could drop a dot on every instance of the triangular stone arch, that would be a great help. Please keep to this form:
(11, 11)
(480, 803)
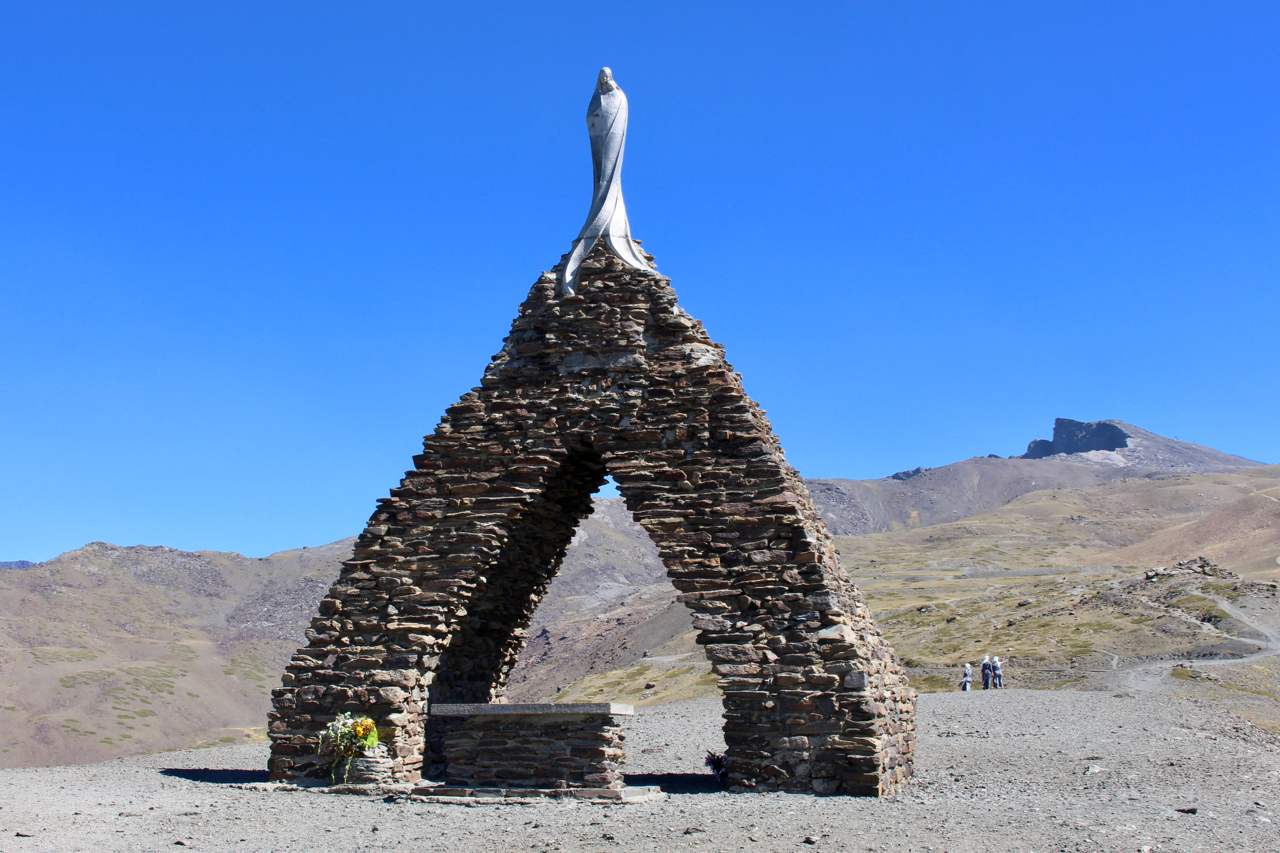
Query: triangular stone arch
(614, 379)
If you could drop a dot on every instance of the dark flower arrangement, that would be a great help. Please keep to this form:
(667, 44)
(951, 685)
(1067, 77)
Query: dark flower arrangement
(716, 764)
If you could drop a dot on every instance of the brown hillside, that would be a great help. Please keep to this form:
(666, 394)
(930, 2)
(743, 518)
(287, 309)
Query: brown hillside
(1244, 535)
(108, 650)
(939, 495)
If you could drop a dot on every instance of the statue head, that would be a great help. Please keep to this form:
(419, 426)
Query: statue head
(605, 82)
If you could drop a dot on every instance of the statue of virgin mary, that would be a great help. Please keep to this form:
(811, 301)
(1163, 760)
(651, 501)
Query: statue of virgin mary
(607, 126)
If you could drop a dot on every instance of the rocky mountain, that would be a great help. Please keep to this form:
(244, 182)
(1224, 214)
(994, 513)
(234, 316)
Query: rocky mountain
(1116, 444)
(16, 564)
(1078, 455)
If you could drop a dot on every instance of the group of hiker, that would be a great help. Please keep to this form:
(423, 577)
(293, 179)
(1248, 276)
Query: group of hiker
(992, 674)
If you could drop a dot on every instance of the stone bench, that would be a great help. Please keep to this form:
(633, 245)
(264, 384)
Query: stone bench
(535, 746)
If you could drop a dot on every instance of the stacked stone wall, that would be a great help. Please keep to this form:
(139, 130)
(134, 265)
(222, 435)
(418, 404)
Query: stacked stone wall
(614, 380)
(536, 751)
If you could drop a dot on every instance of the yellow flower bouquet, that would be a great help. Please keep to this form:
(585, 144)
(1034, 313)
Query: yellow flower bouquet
(346, 738)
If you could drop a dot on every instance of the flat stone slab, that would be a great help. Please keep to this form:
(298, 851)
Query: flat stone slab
(470, 796)
(320, 786)
(616, 709)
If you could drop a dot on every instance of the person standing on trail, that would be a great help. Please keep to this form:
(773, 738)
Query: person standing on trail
(966, 680)
(997, 674)
(986, 672)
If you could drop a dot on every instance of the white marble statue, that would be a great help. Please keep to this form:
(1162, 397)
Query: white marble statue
(607, 124)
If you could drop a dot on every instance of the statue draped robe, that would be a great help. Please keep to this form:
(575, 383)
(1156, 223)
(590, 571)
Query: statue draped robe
(607, 126)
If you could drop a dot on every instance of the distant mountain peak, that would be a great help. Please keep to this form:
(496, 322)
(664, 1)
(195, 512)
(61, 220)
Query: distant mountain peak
(1080, 454)
(1079, 437)
(1116, 444)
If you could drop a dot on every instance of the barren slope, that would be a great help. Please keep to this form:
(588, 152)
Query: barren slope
(107, 650)
(1244, 534)
(939, 495)
(608, 606)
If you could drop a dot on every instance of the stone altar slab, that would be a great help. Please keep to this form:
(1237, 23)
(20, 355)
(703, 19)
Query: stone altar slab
(535, 746)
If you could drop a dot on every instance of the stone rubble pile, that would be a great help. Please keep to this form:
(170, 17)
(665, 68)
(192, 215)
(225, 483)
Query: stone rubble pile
(1197, 566)
(616, 379)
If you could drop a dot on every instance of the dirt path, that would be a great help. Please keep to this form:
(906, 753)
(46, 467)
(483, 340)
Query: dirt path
(1008, 770)
(1153, 676)
(1271, 646)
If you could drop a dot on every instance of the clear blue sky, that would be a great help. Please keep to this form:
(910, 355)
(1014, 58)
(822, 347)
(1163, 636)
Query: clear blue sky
(250, 251)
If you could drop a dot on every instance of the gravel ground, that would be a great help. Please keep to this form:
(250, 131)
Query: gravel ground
(1013, 770)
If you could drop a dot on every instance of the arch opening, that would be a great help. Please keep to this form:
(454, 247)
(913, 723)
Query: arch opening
(610, 609)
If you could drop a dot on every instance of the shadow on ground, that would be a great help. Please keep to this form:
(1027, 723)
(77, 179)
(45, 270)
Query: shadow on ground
(672, 783)
(677, 783)
(211, 776)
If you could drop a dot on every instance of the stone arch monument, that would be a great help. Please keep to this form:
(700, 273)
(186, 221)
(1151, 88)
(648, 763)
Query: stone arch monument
(604, 374)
